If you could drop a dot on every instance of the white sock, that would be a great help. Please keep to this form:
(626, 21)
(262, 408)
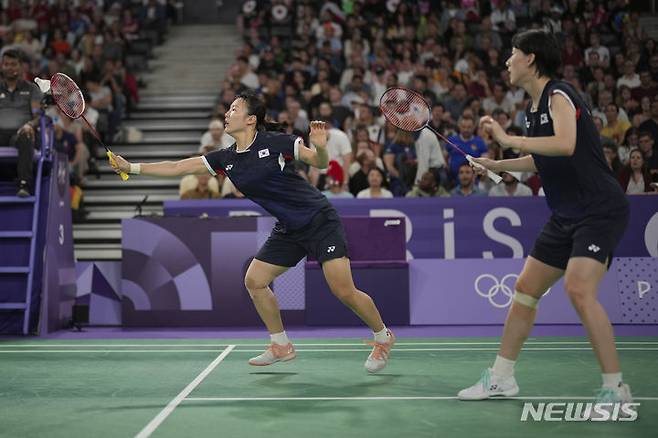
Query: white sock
(381, 336)
(611, 380)
(503, 367)
(280, 338)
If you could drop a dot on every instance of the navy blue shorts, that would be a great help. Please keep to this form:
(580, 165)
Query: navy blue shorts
(594, 236)
(322, 239)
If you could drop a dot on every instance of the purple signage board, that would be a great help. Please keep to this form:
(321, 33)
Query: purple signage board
(476, 291)
(454, 228)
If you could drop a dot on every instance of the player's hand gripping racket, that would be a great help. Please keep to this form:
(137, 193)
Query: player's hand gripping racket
(69, 100)
(408, 110)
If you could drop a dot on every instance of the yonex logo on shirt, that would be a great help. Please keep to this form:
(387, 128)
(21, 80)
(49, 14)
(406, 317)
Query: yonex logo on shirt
(229, 166)
(331, 249)
(263, 153)
(593, 248)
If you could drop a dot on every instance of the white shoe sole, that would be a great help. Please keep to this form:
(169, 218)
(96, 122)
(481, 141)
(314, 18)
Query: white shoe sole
(287, 358)
(509, 393)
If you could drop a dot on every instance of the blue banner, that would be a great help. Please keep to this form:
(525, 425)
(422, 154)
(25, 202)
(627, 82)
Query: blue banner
(453, 228)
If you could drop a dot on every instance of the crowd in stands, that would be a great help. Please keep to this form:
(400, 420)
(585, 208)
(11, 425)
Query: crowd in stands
(333, 60)
(101, 45)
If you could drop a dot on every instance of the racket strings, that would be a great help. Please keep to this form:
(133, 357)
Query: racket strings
(405, 109)
(67, 95)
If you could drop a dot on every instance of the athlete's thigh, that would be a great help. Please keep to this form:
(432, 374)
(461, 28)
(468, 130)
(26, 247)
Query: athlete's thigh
(338, 274)
(537, 277)
(261, 274)
(584, 274)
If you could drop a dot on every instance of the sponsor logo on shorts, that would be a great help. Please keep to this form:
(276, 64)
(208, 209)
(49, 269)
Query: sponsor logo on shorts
(331, 249)
(229, 167)
(593, 248)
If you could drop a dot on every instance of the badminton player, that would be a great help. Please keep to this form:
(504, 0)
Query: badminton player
(589, 215)
(260, 165)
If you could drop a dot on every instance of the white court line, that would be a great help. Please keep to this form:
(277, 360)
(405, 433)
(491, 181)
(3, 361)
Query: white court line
(535, 397)
(164, 413)
(322, 350)
(302, 344)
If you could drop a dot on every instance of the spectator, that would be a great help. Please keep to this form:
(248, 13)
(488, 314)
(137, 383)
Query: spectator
(335, 187)
(359, 180)
(635, 177)
(467, 143)
(647, 87)
(216, 137)
(630, 78)
(616, 128)
(650, 154)
(199, 187)
(498, 100)
(611, 157)
(20, 102)
(401, 162)
(427, 187)
(466, 182)
(511, 186)
(596, 47)
(651, 125)
(376, 185)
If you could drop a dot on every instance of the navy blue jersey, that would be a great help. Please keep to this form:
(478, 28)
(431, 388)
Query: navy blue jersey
(580, 184)
(264, 173)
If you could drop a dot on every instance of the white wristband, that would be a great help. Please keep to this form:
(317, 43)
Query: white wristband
(135, 168)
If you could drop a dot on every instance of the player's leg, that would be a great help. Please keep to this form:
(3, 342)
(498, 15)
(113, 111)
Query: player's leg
(338, 274)
(257, 281)
(275, 257)
(498, 381)
(581, 282)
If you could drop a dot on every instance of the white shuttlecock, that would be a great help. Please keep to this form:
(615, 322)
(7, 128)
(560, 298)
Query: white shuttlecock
(44, 84)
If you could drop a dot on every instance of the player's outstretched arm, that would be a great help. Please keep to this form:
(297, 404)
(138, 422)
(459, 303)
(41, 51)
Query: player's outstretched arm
(317, 157)
(194, 165)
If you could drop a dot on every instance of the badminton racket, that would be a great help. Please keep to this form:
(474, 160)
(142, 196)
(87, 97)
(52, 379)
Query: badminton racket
(407, 110)
(70, 101)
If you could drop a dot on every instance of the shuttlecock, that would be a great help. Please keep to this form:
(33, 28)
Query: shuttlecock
(44, 84)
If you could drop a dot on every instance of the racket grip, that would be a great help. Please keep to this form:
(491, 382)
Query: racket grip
(493, 176)
(124, 176)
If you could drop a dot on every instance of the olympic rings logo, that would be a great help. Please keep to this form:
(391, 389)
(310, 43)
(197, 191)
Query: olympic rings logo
(505, 288)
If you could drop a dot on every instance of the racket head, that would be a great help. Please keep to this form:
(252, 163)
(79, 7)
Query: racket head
(67, 95)
(405, 109)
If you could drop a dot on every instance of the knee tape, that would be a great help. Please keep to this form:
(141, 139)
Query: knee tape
(526, 299)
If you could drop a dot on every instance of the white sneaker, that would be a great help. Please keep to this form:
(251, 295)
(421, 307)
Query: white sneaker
(274, 353)
(490, 387)
(378, 357)
(607, 398)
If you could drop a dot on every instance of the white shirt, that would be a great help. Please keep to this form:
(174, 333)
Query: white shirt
(428, 153)
(224, 142)
(338, 144)
(634, 188)
(632, 82)
(365, 193)
(521, 190)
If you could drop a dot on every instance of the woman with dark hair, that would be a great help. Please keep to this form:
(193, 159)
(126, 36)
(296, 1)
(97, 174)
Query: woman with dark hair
(260, 164)
(635, 177)
(376, 185)
(589, 214)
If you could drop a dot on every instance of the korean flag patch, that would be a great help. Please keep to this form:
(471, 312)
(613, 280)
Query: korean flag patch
(263, 153)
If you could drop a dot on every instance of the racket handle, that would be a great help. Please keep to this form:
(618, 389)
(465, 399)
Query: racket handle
(493, 176)
(110, 156)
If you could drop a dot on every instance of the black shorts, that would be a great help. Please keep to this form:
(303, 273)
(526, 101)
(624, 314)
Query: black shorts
(322, 239)
(593, 236)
